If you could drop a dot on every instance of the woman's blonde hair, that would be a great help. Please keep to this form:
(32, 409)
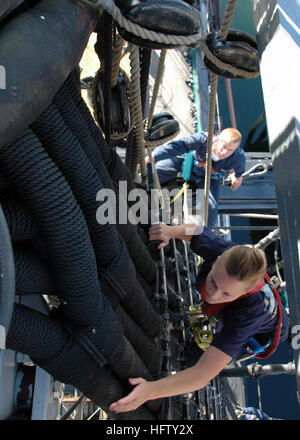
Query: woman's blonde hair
(244, 263)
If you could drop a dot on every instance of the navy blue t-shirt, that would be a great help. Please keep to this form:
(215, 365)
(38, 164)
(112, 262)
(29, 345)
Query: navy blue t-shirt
(242, 319)
(198, 143)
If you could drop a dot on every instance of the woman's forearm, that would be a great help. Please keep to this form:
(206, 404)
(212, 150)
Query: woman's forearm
(191, 379)
(183, 232)
(180, 383)
(194, 378)
(164, 233)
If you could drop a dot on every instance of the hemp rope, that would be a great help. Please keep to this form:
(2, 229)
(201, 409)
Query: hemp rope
(212, 106)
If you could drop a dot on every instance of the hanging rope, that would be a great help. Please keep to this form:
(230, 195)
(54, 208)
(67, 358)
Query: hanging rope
(116, 60)
(211, 121)
(158, 79)
(136, 107)
(212, 108)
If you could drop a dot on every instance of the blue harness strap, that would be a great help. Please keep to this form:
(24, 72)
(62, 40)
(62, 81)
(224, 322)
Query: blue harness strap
(254, 347)
(190, 162)
(188, 166)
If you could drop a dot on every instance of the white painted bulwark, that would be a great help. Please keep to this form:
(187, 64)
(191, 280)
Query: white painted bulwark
(277, 25)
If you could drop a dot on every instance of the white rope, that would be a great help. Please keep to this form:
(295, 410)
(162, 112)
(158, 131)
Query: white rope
(264, 242)
(250, 173)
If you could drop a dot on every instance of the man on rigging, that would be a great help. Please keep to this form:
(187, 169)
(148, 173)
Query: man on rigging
(234, 291)
(228, 158)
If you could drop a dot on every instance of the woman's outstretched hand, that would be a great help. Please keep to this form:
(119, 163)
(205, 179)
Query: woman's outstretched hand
(161, 232)
(139, 395)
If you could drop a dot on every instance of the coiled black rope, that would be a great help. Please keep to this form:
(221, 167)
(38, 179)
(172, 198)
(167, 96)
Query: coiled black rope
(20, 223)
(32, 275)
(48, 197)
(39, 182)
(111, 253)
(53, 348)
(80, 121)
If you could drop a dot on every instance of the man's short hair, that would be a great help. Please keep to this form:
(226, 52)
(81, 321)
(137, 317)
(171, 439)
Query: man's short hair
(234, 134)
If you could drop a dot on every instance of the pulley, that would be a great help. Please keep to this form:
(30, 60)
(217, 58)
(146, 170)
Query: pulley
(167, 17)
(163, 126)
(238, 50)
(120, 114)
